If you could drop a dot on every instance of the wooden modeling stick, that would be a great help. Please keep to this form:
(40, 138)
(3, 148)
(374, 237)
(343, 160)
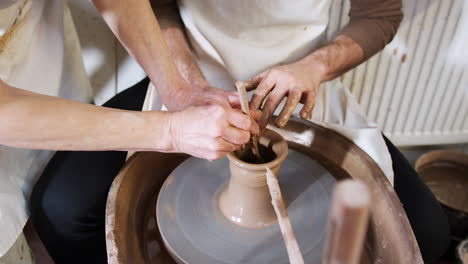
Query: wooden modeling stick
(241, 90)
(294, 253)
(347, 223)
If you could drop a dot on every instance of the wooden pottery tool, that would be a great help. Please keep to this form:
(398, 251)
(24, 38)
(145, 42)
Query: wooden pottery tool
(241, 90)
(294, 252)
(347, 223)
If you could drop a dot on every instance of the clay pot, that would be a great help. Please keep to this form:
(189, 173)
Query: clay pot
(246, 199)
(444, 172)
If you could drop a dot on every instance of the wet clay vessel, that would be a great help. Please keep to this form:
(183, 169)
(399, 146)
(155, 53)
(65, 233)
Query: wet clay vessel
(132, 232)
(221, 212)
(246, 199)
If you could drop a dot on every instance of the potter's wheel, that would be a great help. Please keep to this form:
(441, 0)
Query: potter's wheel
(133, 236)
(195, 231)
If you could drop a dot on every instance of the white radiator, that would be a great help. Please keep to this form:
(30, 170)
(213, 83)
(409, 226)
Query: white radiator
(415, 93)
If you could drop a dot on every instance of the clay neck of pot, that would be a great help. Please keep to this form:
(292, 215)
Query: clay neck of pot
(246, 200)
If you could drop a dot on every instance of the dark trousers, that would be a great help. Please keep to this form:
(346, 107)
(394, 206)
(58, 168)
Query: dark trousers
(68, 201)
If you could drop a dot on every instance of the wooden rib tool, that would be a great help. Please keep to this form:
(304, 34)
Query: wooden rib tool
(347, 223)
(294, 252)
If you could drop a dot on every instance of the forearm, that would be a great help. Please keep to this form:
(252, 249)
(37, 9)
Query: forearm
(135, 25)
(36, 121)
(336, 58)
(372, 25)
(174, 34)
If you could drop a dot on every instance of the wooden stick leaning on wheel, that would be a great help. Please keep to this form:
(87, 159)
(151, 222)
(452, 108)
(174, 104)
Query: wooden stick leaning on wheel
(294, 252)
(347, 223)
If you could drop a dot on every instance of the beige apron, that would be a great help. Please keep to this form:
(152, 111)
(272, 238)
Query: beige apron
(236, 40)
(40, 52)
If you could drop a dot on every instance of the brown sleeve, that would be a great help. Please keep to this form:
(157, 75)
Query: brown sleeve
(373, 23)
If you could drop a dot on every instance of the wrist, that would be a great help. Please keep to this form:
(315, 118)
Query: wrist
(172, 91)
(318, 62)
(173, 132)
(167, 81)
(197, 81)
(156, 131)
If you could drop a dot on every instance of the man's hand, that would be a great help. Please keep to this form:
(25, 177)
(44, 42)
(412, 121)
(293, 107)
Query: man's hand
(210, 132)
(298, 81)
(201, 95)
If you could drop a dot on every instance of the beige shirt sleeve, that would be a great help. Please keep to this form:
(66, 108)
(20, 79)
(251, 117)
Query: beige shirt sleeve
(373, 23)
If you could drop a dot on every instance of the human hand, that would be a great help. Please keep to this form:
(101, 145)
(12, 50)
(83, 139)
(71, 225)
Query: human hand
(298, 81)
(210, 132)
(201, 94)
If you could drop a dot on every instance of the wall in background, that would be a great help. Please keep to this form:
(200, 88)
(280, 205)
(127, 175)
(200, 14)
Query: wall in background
(416, 94)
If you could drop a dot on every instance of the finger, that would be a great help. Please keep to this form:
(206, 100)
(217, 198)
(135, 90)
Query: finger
(256, 114)
(252, 84)
(208, 154)
(215, 155)
(236, 136)
(309, 104)
(270, 105)
(215, 99)
(233, 99)
(294, 97)
(255, 81)
(221, 145)
(240, 120)
(263, 89)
